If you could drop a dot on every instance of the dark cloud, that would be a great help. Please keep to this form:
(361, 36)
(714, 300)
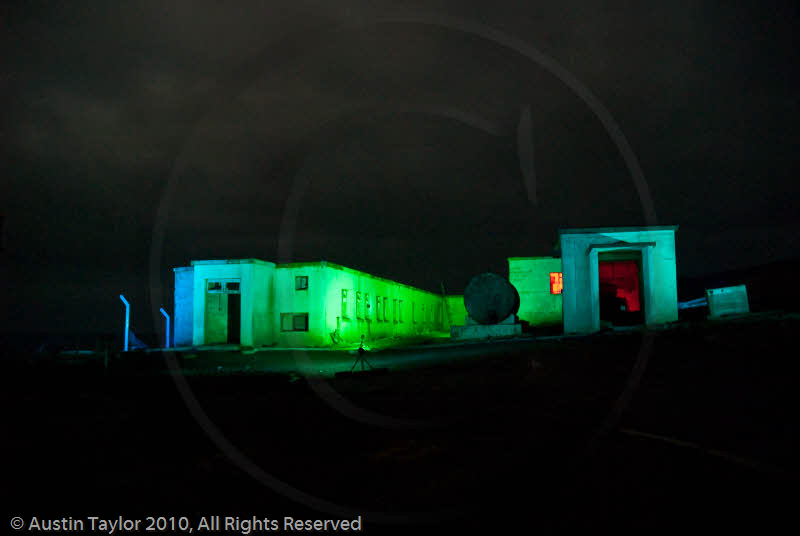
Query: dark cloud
(400, 137)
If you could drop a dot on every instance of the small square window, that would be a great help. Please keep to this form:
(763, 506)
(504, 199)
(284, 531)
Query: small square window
(301, 282)
(378, 309)
(215, 286)
(359, 313)
(232, 286)
(344, 303)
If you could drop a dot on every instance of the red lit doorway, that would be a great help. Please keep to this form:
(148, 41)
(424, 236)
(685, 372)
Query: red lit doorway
(620, 288)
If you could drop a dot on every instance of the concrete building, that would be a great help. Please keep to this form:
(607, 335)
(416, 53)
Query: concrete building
(258, 303)
(605, 276)
(618, 275)
(538, 282)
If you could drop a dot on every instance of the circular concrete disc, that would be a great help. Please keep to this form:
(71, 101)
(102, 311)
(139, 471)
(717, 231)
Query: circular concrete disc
(490, 298)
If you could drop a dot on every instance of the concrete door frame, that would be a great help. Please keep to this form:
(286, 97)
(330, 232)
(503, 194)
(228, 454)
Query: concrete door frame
(647, 275)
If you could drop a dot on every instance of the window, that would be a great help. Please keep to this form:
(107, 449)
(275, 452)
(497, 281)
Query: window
(423, 317)
(378, 309)
(556, 282)
(294, 321)
(301, 282)
(301, 322)
(400, 311)
(413, 312)
(344, 304)
(224, 286)
(394, 310)
(359, 314)
(232, 286)
(385, 309)
(366, 305)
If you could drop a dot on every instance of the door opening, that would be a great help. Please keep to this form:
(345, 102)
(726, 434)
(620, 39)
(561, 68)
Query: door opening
(620, 296)
(234, 318)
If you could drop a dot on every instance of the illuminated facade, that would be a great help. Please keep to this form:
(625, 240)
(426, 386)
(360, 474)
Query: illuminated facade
(605, 276)
(618, 276)
(538, 281)
(258, 303)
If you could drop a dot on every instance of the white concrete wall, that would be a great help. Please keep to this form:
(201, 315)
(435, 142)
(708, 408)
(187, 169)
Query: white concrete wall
(580, 296)
(531, 277)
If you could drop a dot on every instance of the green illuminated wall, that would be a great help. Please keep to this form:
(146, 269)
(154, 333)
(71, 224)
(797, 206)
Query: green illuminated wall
(407, 310)
(291, 301)
(531, 277)
(457, 312)
(272, 300)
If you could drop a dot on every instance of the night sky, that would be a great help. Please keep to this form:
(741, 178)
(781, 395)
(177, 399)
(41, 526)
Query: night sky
(421, 141)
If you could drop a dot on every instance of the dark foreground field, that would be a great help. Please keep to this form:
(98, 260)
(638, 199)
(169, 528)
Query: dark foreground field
(684, 428)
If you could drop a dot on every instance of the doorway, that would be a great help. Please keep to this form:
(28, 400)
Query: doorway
(621, 288)
(223, 312)
(234, 318)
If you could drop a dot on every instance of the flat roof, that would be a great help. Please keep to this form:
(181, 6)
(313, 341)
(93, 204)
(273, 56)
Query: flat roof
(231, 261)
(322, 264)
(352, 270)
(600, 230)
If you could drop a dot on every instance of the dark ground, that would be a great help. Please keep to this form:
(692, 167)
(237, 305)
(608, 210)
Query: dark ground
(528, 439)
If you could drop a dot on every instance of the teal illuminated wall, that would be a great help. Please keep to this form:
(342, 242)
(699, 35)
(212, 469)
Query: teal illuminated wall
(583, 249)
(184, 297)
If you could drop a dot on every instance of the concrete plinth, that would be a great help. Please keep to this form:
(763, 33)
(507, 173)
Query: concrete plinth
(473, 330)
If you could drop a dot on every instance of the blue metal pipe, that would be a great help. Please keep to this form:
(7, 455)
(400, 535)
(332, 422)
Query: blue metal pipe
(127, 319)
(163, 312)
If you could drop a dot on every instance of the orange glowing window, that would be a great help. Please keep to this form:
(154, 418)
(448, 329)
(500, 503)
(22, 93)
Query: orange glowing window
(556, 283)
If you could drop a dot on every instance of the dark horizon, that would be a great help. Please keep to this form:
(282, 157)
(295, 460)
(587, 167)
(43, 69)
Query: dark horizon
(424, 144)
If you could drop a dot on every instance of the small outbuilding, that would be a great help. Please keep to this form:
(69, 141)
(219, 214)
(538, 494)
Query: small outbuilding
(618, 276)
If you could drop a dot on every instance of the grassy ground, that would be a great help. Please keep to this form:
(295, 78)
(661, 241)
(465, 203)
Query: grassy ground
(684, 427)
